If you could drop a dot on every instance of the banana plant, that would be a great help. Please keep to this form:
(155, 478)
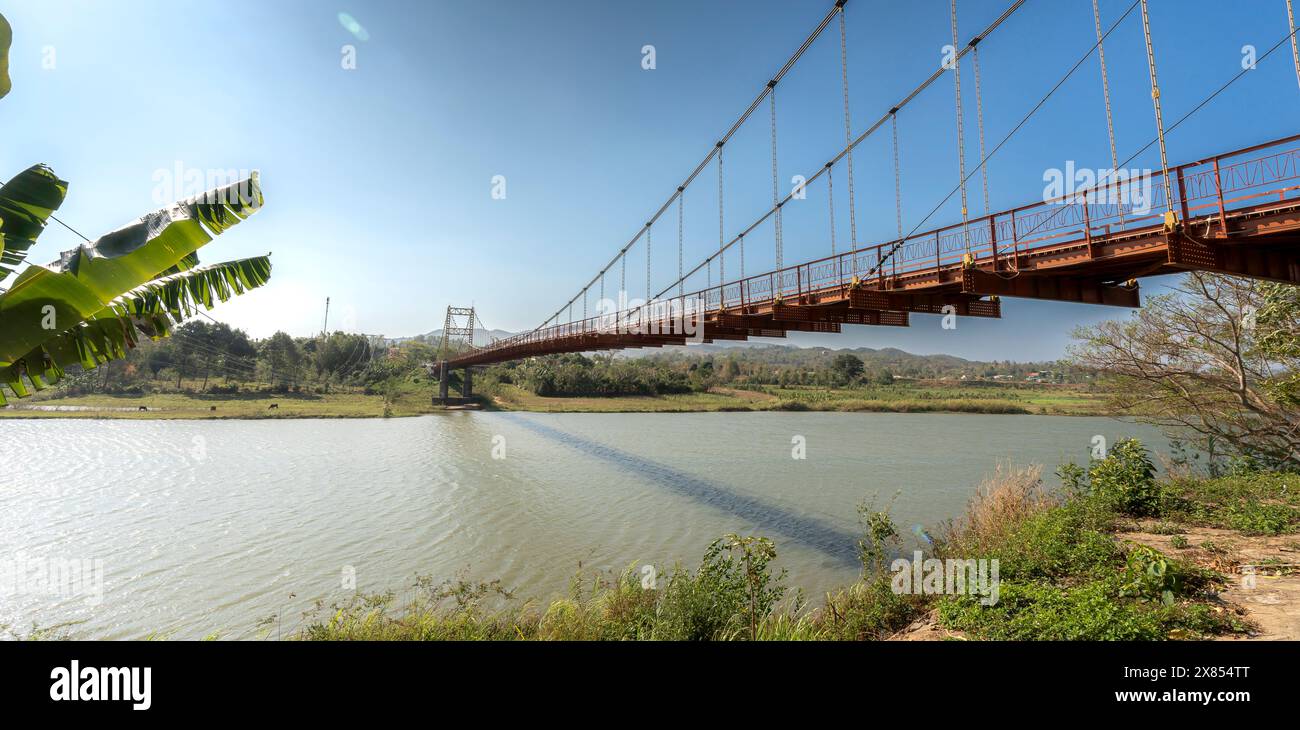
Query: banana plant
(6, 39)
(92, 304)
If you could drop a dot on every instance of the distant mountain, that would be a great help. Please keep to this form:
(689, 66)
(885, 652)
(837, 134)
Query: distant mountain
(885, 358)
(899, 362)
(481, 336)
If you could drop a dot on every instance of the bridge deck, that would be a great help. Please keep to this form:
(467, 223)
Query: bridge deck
(1238, 213)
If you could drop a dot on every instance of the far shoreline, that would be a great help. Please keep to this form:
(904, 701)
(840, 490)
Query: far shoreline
(265, 405)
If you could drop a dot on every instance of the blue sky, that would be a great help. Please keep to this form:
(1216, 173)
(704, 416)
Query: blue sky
(378, 179)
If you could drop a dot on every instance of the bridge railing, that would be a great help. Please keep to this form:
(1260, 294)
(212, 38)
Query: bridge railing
(1204, 189)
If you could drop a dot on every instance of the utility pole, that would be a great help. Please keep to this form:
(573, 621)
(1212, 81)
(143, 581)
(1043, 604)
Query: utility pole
(324, 330)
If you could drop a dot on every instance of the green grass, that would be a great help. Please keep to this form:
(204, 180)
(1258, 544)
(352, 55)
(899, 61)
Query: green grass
(1254, 504)
(408, 399)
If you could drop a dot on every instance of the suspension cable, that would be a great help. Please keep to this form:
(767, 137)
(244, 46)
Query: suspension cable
(961, 136)
(775, 190)
(731, 131)
(938, 73)
(1295, 51)
(830, 200)
(898, 179)
(1110, 123)
(681, 281)
(979, 119)
(848, 126)
(1014, 130)
(1170, 217)
(647, 263)
(722, 237)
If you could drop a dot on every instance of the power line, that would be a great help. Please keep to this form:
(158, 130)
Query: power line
(70, 228)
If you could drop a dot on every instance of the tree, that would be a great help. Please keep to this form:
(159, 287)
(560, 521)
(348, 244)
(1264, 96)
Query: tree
(341, 355)
(283, 358)
(847, 367)
(1215, 363)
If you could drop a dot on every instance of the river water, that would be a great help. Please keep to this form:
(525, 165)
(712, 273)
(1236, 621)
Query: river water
(214, 526)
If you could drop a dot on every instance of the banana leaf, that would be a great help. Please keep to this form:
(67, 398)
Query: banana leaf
(6, 38)
(26, 203)
(150, 309)
(49, 299)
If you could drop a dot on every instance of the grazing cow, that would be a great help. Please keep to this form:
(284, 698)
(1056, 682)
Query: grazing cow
(273, 406)
(212, 408)
(144, 408)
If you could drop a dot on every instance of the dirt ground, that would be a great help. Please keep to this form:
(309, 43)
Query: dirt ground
(1270, 595)
(1263, 573)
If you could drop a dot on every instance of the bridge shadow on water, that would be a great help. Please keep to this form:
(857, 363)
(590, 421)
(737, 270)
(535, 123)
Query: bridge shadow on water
(839, 545)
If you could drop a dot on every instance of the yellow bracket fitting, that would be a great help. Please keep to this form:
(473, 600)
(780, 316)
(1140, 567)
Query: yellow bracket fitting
(968, 260)
(1171, 221)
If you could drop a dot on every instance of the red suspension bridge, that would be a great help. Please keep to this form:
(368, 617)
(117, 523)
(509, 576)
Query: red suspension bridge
(1234, 213)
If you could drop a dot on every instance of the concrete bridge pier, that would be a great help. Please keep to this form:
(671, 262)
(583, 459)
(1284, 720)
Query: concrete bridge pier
(467, 384)
(443, 383)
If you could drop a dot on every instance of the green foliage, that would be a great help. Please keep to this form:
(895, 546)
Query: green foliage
(1092, 611)
(1256, 503)
(601, 375)
(847, 367)
(1040, 610)
(1278, 338)
(731, 592)
(1147, 576)
(1257, 518)
(6, 38)
(762, 588)
(879, 540)
(870, 610)
(1126, 480)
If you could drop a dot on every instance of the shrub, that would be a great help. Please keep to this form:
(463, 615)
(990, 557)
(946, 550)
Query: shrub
(1038, 610)
(732, 593)
(870, 610)
(1125, 480)
(1257, 518)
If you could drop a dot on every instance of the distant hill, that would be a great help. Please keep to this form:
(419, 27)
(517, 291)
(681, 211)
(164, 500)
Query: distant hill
(899, 362)
(892, 359)
(481, 336)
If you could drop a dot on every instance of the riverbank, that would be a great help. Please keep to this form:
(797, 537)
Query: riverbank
(416, 399)
(195, 406)
(922, 397)
(1113, 558)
